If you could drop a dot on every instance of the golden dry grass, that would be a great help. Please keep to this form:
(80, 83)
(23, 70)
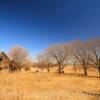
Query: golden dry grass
(48, 86)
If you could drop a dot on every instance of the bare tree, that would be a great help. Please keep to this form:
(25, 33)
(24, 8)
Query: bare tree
(45, 60)
(94, 46)
(27, 64)
(18, 54)
(82, 54)
(59, 54)
(74, 62)
(41, 62)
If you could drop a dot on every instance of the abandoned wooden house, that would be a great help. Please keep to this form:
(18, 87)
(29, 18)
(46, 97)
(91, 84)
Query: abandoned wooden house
(6, 64)
(4, 61)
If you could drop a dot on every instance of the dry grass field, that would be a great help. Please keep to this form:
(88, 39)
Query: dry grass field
(48, 86)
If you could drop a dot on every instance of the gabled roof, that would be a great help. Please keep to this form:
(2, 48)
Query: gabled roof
(4, 55)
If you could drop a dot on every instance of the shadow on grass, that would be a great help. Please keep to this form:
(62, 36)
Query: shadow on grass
(69, 74)
(91, 93)
(79, 75)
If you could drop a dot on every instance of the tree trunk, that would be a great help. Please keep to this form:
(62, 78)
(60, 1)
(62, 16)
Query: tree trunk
(19, 66)
(74, 67)
(59, 68)
(99, 67)
(48, 68)
(62, 69)
(85, 71)
(99, 70)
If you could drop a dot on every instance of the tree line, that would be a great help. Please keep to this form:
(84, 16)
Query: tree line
(83, 53)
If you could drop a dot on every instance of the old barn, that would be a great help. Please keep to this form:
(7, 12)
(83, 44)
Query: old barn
(4, 61)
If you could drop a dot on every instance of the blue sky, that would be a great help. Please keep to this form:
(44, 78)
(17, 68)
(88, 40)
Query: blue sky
(36, 24)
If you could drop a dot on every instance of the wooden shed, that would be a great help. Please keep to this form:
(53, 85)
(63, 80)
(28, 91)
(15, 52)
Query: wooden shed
(4, 61)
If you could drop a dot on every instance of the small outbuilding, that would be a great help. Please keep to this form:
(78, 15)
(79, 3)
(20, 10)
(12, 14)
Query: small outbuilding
(4, 61)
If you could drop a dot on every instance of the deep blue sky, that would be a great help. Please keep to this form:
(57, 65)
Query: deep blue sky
(36, 24)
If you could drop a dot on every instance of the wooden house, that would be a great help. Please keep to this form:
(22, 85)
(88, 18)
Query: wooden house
(4, 61)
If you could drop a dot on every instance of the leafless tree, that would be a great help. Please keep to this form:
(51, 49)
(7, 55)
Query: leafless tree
(45, 60)
(94, 46)
(18, 54)
(74, 62)
(41, 62)
(27, 64)
(60, 55)
(82, 54)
